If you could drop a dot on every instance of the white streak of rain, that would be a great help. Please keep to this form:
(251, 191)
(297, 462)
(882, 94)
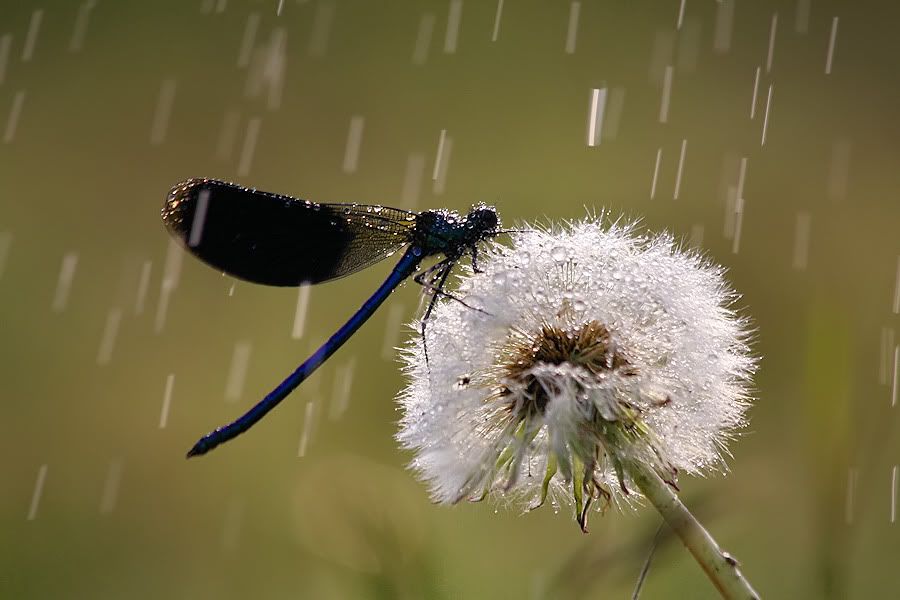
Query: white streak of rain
(81, 24)
(497, 16)
(772, 30)
(689, 45)
(724, 26)
(895, 471)
(6, 239)
(64, 283)
(595, 116)
(661, 56)
(831, 40)
(354, 141)
(755, 93)
(572, 32)
(730, 213)
(321, 28)
(343, 383)
(108, 339)
(802, 18)
(412, 180)
(167, 401)
(442, 166)
(439, 156)
(655, 172)
(613, 113)
(237, 372)
(839, 170)
(248, 39)
(12, 121)
(765, 127)
(801, 241)
(249, 147)
(423, 39)
(451, 36)
(163, 112)
(680, 19)
(34, 26)
(738, 223)
(309, 416)
(885, 357)
(38, 492)
(666, 95)
(196, 234)
(111, 486)
(231, 529)
(852, 482)
(392, 331)
(897, 288)
(300, 311)
(170, 275)
(228, 135)
(5, 46)
(895, 383)
(696, 239)
(680, 169)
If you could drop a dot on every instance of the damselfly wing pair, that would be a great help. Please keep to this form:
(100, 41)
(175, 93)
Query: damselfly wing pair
(283, 241)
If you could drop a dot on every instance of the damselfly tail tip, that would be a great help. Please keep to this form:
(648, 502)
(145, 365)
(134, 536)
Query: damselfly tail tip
(200, 448)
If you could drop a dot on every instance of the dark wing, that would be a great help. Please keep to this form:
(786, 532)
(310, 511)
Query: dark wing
(278, 240)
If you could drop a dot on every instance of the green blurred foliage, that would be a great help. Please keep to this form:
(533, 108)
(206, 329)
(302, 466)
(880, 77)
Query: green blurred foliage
(806, 503)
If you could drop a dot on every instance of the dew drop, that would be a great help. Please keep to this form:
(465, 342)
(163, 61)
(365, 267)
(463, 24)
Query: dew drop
(559, 254)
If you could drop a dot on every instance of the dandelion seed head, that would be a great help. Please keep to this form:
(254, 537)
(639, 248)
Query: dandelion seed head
(591, 341)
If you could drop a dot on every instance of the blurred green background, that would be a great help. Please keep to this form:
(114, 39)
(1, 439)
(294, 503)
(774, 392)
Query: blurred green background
(105, 105)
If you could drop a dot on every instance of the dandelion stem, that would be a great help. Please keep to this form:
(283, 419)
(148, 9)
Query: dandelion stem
(721, 568)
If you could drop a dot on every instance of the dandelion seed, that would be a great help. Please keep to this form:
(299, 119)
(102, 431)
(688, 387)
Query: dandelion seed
(592, 346)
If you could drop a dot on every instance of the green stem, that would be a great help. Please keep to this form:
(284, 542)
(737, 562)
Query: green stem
(721, 568)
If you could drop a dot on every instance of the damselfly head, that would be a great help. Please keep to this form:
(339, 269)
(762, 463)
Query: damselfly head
(483, 220)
